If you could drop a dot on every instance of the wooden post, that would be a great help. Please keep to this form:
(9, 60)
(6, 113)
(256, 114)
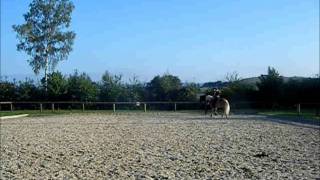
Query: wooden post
(175, 106)
(40, 107)
(82, 106)
(298, 109)
(52, 107)
(114, 107)
(11, 107)
(145, 107)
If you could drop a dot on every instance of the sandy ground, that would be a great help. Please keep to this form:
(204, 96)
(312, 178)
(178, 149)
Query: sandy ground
(157, 146)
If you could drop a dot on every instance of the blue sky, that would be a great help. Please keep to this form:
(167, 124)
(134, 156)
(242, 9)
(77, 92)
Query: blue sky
(195, 40)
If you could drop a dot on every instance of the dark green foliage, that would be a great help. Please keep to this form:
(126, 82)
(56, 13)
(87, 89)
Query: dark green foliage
(28, 91)
(57, 86)
(270, 91)
(270, 87)
(307, 90)
(8, 91)
(188, 92)
(238, 91)
(135, 90)
(81, 88)
(111, 88)
(164, 88)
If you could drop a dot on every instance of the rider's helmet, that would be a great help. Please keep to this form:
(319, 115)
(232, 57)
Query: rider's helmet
(216, 92)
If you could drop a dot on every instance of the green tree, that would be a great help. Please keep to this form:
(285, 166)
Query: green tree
(7, 91)
(81, 87)
(43, 36)
(236, 90)
(270, 86)
(164, 88)
(57, 86)
(135, 90)
(28, 91)
(188, 92)
(233, 77)
(111, 88)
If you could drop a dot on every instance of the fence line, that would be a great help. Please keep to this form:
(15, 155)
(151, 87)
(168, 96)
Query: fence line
(83, 103)
(98, 102)
(175, 104)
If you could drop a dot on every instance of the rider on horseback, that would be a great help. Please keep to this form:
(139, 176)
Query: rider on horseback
(216, 96)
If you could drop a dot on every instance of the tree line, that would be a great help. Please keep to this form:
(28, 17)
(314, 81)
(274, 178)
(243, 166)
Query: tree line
(271, 89)
(111, 88)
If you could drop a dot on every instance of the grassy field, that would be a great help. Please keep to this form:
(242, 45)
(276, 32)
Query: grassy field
(292, 114)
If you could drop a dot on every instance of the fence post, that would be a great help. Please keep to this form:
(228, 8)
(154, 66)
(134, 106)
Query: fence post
(52, 107)
(114, 107)
(298, 109)
(82, 107)
(40, 107)
(175, 106)
(145, 107)
(11, 107)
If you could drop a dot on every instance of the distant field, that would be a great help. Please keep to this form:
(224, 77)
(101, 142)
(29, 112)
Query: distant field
(311, 115)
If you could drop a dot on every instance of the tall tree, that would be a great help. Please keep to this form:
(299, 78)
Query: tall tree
(57, 86)
(135, 90)
(111, 87)
(81, 87)
(188, 92)
(164, 88)
(270, 86)
(44, 36)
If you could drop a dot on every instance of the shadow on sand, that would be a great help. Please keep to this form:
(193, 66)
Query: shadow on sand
(300, 122)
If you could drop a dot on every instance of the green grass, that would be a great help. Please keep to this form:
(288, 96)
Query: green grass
(292, 114)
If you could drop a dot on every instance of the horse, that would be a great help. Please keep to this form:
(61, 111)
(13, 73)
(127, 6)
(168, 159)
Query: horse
(218, 103)
(204, 101)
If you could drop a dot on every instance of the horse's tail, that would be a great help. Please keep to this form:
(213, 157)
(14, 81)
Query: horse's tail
(226, 108)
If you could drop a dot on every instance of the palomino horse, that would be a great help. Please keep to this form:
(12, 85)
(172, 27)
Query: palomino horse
(218, 103)
(205, 102)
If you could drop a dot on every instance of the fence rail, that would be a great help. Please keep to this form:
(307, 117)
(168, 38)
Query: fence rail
(144, 105)
(84, 104)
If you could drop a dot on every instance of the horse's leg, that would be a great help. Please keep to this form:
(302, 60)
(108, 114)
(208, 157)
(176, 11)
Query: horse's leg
(205, 109)
(225, 112)
(215, 110)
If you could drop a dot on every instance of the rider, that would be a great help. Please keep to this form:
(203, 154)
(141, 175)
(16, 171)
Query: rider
(216, 96)
(216, 93)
